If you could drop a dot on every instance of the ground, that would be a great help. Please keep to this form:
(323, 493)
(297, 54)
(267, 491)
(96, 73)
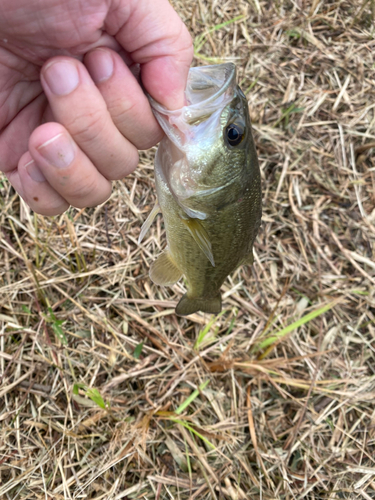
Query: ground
(106, 394)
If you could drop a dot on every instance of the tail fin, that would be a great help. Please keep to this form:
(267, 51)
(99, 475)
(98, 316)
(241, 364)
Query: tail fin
(189, 305)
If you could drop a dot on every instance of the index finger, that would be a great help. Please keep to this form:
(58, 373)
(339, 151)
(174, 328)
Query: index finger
(155, 37)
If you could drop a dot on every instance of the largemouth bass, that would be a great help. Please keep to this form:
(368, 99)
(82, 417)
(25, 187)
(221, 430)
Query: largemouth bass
(208, 187)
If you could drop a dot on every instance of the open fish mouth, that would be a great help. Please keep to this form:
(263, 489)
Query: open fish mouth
(209, 89)
(206, 84)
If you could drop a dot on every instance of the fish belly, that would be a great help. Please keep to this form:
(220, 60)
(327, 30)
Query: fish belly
(231, 235)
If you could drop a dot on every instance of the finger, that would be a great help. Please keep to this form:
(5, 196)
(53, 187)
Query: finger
(67, 169)
(36, 191)
(77, 104)
(126, 102)
(14, 136)
(155, 37)
(14, 178)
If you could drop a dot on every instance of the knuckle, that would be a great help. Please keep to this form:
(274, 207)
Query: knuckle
(124, 113)
(80, 192)
(88, 193)
(50, 209)
(183, 44)
(120, 108)
(125, 167)
(87, 127)
(100, 199)
(150, 141)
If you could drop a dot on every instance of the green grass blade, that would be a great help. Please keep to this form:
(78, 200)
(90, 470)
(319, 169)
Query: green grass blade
(191, 398)
(138, 350)
(273, 337)
(191, 429)
(200, 40)
(92, 393)
(206, 329)
(59, 332)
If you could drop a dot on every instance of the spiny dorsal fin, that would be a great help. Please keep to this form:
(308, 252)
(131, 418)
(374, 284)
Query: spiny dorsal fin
(198, 232)
(147, 224)
(164, 271)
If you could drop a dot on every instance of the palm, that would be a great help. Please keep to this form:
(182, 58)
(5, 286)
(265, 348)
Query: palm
(23, 105)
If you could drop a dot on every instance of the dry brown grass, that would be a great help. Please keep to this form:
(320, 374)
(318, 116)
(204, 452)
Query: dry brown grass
(294, 420)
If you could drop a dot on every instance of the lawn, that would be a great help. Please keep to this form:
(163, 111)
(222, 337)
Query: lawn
(106, 394)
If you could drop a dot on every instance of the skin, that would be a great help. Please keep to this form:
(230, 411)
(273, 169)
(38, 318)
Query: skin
(72, 113)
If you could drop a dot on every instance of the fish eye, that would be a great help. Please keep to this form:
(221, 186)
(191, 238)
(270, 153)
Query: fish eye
(234, 134)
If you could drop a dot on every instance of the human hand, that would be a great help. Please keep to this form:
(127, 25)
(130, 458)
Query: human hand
(72, 114)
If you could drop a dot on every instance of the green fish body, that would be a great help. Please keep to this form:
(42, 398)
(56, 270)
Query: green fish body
(208, 187)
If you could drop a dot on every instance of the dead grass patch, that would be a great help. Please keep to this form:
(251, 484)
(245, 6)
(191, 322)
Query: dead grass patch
(106, 394)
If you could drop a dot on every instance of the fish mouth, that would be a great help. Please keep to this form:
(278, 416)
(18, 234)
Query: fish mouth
(208, 89)
(207, 83)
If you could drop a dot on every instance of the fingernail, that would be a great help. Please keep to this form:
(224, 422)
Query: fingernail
(58, 151)
(100, 65)
(34, 172)
(61, 77)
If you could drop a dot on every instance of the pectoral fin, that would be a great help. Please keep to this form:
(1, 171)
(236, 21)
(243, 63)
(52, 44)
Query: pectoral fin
(198, 232)
(147, 224)
(164, 271)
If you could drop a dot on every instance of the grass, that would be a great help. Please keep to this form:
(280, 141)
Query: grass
(106, 394)
(271, 339)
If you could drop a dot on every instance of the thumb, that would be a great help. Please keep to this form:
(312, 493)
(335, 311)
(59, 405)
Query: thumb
(153, 34)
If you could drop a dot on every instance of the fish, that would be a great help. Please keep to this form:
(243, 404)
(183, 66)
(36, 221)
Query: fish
(208, 187)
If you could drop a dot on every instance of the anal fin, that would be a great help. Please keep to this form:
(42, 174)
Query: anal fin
(164, 271)
(198, 232)
(190, 305)
(147, 224)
